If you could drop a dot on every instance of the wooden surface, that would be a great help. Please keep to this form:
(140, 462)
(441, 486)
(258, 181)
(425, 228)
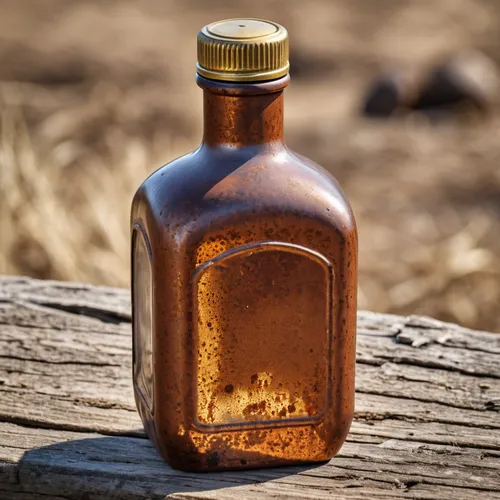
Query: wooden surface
(427, 422)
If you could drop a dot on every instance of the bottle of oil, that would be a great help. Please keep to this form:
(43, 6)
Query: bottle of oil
(244, 270)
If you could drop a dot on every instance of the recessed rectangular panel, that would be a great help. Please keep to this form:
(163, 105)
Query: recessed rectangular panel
(262, 336)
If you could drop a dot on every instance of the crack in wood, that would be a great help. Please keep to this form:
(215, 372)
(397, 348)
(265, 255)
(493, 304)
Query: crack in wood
(435, 365)
(487, 405)
(52, 362)
(91, 312)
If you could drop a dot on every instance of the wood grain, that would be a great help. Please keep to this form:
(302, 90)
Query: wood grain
(427, 423)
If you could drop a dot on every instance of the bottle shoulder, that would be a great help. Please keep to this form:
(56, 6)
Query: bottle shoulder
(217, 184)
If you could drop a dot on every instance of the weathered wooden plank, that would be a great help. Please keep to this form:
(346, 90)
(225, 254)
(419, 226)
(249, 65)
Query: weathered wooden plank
(428, 432)
(422, 330)
(15, 440)
(133, 468)
(426, 422)
(91, 374)
(94, 394)
(26, 314)
(109, 304)
(379, 407)
(8, 492)
(56, 346)
(114, 301)
(433, 356)
(363, 493)
(92, 416)
(413, 382)
(53, 381)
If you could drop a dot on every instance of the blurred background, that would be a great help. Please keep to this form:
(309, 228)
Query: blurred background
(398, 99)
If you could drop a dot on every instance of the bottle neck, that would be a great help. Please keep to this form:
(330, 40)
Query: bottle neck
(242, 114)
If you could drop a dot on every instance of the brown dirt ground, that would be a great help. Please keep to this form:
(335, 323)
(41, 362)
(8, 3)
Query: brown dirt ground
(95, 95)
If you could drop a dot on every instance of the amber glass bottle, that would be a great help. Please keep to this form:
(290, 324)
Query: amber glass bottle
(244, 262)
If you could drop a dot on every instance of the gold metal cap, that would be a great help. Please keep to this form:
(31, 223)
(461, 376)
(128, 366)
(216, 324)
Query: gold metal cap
(243, 50)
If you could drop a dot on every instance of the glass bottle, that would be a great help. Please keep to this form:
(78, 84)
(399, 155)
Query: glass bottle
(244, 276)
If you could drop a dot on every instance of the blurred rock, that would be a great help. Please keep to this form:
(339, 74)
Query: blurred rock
(391, 94)
(468, 77)
(468, 80)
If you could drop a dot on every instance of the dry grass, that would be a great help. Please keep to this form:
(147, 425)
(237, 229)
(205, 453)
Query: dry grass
(81, 127)
(65, 213)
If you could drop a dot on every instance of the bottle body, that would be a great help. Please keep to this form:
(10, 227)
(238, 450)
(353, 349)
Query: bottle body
(244, 309)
